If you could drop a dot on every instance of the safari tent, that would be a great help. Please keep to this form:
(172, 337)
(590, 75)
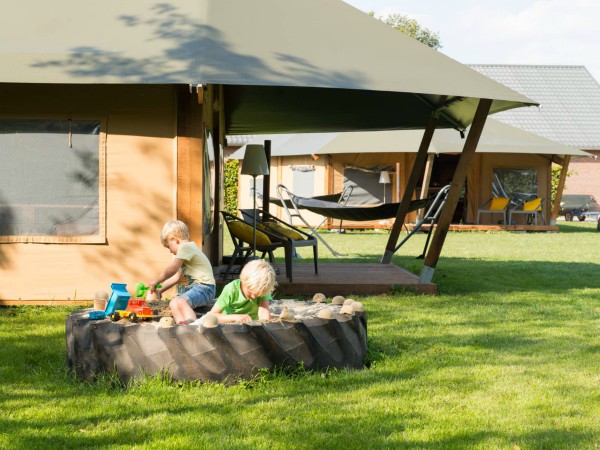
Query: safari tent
(508, 159)
(570, 114)
(114, 116)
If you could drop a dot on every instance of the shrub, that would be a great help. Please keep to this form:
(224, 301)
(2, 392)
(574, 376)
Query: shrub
(231, 185)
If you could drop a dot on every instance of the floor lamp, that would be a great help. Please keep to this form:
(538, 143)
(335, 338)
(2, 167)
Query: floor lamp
(254, 164)
(384, 178)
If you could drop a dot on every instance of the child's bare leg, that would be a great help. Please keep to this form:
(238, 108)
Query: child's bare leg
(181, 310)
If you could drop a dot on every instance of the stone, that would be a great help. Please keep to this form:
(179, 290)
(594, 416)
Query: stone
(347, 309)
(358, 306)
(325, 314)
(210, 321)
(319, 298)
(166, 322)
(338, 300)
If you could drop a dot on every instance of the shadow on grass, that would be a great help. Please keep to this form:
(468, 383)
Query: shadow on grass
(582, 227)
(375, 408)
(464, 275)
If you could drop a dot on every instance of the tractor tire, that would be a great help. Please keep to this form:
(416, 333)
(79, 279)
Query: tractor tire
(132, 317)
(581, 217)
(569, 216)
(114, 316)
(226, 353)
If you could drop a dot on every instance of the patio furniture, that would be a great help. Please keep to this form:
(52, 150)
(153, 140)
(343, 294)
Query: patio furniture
(495, 205)
(532, 208)
(293, 236)
(271, 234)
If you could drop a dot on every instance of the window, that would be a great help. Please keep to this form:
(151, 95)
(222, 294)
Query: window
(51, 181)
(517, 184)
(367, 190)
(303, 180)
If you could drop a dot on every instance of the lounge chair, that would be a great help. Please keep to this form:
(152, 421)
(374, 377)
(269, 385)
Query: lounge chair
(271, 234)
(533, 209)
(495, 205)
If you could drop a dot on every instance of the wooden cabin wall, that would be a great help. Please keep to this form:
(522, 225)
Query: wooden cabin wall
(141, 193)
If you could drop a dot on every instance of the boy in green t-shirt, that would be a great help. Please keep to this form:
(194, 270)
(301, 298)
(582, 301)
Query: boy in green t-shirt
(247, 298)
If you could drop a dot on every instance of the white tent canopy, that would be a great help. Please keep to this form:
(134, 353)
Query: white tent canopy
(497, 137)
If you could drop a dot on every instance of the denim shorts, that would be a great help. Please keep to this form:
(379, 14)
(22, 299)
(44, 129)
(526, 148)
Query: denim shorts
(199, 294)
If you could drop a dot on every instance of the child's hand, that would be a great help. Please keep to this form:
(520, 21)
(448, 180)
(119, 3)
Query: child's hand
(244, 318)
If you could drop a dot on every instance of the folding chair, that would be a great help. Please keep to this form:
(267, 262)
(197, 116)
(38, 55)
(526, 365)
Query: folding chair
(270, 235)
(431, 215)
(495, 205)
(533, 209)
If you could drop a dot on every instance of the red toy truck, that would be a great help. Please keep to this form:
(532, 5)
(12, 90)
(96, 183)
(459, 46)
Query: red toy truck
(137, 308)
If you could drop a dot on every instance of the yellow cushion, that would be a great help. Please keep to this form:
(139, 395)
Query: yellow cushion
(499, 203)
(278, 228)
(244, 232)
(532, 205)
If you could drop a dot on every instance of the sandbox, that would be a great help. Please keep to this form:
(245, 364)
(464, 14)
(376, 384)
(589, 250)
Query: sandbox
(227, 352)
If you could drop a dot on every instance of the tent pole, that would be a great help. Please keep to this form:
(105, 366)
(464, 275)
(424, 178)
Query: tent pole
(409, 189)
(560, 188)
(266, 191)
(426, 181)
(458, 182)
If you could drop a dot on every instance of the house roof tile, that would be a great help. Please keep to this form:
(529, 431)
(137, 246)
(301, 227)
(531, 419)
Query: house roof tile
(569, 98)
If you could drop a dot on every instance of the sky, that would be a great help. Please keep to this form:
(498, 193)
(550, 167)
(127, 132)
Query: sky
(546, 32)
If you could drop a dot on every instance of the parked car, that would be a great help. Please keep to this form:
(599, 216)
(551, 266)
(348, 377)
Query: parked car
(580, 206)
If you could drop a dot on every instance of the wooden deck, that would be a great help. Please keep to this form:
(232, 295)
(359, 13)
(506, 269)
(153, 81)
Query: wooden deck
(343, 279)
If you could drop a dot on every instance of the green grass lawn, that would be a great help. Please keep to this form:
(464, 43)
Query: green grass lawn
(506, 356)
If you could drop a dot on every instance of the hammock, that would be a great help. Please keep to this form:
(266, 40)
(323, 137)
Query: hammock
(326, 205)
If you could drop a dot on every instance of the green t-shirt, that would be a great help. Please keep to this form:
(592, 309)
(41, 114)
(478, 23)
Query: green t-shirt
(232, 301)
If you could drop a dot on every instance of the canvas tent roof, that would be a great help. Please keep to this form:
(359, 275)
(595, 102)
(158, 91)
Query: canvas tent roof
(497, 137)
(287, 66)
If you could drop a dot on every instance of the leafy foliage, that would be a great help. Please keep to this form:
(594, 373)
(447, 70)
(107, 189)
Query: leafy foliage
(555, 177)
(411, 27)
(231, 185)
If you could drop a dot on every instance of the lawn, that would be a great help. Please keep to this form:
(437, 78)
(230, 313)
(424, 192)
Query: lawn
(506, 357)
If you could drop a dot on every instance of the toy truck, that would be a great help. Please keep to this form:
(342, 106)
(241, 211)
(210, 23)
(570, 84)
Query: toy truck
(119, 297)
(121, 305)
(137, 308)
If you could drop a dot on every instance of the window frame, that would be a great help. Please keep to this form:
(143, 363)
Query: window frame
(99, 238)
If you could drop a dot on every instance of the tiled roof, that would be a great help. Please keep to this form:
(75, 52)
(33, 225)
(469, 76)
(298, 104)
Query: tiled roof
(570, 99)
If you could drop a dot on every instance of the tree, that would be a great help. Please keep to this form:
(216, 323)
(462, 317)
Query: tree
(412, 28)
(555, 177)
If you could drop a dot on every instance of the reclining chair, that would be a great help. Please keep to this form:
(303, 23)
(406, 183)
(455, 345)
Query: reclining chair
(533, 209)
(495, 205)
(271, 234)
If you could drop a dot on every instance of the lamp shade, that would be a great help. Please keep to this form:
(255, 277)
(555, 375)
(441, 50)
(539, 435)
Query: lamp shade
(255, 161)
(384, 177)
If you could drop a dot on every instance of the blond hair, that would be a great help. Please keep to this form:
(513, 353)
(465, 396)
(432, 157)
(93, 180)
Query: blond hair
(174, 228)
(258, 277)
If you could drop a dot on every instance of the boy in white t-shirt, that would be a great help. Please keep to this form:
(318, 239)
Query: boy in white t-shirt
(190, 262)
